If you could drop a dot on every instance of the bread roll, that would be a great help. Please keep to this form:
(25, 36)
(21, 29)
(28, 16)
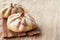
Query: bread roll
(17, 23)
(11, 9)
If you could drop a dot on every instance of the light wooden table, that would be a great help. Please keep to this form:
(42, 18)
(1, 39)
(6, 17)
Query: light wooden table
(46, 14)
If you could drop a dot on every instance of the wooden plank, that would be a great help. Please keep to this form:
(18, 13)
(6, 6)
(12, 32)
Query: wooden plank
(58, 23)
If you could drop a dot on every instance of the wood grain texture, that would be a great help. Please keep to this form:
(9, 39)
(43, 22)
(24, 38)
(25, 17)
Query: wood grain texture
(46, 14)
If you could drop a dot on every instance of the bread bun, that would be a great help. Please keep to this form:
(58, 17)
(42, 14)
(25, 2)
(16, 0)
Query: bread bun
(17, 23)
(11, 9)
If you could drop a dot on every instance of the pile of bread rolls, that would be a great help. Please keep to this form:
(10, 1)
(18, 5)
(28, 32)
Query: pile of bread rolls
(17, 19)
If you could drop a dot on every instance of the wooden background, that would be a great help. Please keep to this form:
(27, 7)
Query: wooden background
(46, 14)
